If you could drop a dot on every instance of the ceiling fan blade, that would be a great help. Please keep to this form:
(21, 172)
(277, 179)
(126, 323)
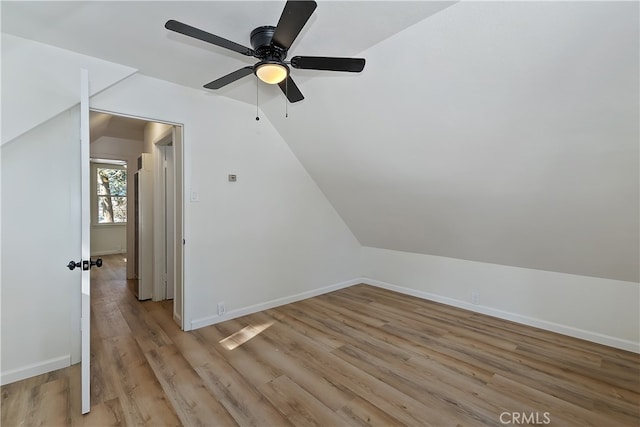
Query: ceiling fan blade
(294, 16)
(229, 78)
(353, 65)
(190, 31)
(290, 89)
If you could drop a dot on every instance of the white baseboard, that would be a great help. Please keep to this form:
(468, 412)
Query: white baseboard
(212, 320)
(114, 252)
(501, 314)
(35, 369)
(514, 317)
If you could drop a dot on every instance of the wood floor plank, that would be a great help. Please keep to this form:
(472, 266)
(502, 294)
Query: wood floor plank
(579, 387)
(103, 385)
(253, 368)
(148, 333)
(298, 405)
(107, 413)
(560, 411)
(243, 401)
(108, 320)
(359, 412)
(49, 398)
(421, 388)
(275, 350)
(293, 322)
(146, 403)
(314, 356)
(227, 385)
(193, 403)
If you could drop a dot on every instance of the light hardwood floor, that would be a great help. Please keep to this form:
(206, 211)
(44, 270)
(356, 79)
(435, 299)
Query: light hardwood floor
(358, 356)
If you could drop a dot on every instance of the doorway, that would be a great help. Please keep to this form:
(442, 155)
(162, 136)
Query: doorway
(152, 154)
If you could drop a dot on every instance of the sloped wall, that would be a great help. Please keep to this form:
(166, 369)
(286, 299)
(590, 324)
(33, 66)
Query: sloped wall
(498, 132)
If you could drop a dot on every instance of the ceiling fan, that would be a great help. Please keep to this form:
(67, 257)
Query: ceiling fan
(270, 45)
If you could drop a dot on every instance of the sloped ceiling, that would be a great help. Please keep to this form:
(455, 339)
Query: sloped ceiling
(503, 132)
(133, 33)
(103, 124)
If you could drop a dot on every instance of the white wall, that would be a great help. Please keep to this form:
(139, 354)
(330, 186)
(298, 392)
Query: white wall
(40, 235)
(600, 310)
(108, 239)
(264, 239)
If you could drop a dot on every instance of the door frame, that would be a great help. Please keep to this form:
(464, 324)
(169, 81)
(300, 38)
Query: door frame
(179, 205)
(164, 209)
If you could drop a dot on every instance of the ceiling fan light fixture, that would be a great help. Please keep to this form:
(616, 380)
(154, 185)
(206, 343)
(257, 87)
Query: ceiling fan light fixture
(272, 72)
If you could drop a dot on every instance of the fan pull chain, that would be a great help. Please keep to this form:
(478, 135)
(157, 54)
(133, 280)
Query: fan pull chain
(286, 98)
(257, 84)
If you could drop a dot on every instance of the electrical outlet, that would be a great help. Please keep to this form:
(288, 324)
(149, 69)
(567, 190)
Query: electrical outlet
(475, 298)
(222, 309)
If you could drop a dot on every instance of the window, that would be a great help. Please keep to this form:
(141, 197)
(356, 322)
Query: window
(111, 191)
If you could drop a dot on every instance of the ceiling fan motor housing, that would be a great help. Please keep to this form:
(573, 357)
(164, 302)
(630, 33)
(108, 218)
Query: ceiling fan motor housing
(261, 42)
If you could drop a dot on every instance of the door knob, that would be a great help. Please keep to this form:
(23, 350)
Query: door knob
(72, 265)
(84, 264)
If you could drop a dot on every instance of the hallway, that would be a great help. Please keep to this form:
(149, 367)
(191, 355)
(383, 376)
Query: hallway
(124, 388)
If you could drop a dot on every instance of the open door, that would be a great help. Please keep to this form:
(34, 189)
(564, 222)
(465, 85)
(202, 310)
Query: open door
(86, 244)
(85, 263)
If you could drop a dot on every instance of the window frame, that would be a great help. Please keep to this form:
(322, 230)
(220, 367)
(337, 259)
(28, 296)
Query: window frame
(106, 164)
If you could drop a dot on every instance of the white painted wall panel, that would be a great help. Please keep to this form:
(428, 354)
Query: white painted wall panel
(40, 235)
(111, 239)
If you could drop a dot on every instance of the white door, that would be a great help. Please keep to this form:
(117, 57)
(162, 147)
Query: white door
(85, 262)
(86, 253)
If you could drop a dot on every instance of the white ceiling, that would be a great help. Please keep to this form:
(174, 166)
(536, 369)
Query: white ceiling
(132, 33)
(503, 132)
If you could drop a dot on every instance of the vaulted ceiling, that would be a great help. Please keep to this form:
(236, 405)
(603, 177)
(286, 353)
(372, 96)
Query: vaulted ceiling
(103, 124)
(503, 132)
